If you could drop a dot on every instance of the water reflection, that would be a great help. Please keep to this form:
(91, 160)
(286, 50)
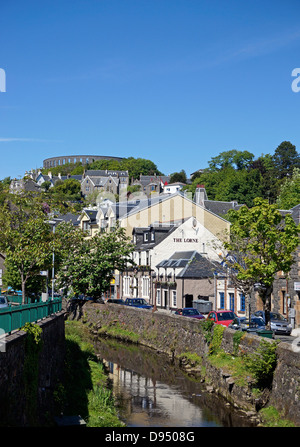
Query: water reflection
(153, 392)
(148, 402)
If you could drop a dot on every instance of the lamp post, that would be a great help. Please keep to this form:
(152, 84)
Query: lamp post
(53, 223)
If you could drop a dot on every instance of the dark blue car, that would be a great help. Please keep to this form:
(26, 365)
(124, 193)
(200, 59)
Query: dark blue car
(138, 302)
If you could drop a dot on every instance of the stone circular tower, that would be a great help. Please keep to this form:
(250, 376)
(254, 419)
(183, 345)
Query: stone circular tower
(84, 159)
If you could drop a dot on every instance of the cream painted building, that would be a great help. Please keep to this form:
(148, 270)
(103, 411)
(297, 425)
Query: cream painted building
(169, 208)
(162, 254)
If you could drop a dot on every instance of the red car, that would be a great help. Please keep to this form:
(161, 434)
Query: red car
(224, 317)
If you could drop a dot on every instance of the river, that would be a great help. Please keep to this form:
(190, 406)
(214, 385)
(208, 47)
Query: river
(152, 391)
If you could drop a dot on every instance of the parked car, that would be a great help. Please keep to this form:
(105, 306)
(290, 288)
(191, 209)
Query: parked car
(115, 301)
(190, 312)
(279, 324)
(3, 301)
(138, 302)
(255, 325)
(224, 317)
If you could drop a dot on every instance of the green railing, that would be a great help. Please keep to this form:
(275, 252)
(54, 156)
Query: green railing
(17, 299)
(15, 317)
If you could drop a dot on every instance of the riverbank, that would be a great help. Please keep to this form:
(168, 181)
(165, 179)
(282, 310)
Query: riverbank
(85, 390)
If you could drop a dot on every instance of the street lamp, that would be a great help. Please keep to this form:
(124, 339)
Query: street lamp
(53, 223)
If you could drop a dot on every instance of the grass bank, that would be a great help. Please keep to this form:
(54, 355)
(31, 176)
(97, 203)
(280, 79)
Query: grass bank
(85, 390)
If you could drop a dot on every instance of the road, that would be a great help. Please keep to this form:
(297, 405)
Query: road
(286, 338)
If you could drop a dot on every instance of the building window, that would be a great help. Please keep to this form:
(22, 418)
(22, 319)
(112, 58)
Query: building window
(284, 301)
(126, 285)
(86, 226)
(174, 298)
(242, 302)
(146, 286)
(231, 301)
(158, 297)
(221, 295)
(146, 237)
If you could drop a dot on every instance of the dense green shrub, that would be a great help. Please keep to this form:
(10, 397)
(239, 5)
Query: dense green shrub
(217, 337)
(206, 328)
(262, 363)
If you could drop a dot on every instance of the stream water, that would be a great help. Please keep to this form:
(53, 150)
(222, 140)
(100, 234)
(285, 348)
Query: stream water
(152, 391)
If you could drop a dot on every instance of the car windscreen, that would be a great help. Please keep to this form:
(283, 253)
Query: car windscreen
(190, 312)
(276, 316)
(225, 316)
(258, 321)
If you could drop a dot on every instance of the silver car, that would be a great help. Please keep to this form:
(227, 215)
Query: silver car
(279, 324)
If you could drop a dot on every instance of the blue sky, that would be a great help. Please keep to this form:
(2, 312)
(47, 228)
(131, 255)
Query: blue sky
(174, 81)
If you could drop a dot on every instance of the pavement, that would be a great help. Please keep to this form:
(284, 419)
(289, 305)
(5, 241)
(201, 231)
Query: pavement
(296, 332)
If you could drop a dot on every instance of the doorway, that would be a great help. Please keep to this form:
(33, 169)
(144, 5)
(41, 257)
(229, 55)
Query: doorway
(166, 304)
(188, 300)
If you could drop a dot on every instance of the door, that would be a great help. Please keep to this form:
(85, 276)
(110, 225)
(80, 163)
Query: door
(166, 299)
(188, 300)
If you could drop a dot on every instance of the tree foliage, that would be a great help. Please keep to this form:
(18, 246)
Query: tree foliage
(289, 195)
(261, 243)
(90, 266)
(25, 237)
(236, 176)
(286, 158)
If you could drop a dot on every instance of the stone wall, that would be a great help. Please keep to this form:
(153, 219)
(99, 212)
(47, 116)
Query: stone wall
(175, 335)
(13, 401)
(84, 159)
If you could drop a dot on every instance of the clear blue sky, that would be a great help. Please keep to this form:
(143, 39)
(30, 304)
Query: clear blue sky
(174, 81)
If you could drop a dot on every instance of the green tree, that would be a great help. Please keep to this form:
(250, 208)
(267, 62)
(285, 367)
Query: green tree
(289, 195)
(69, 188)
(233, 158)
(178, 177)
(25, 237)
(269, 184)
(229, 185)
(134, 166)
(90, 266)
(266, 241)
(286, 158)
(4, 189)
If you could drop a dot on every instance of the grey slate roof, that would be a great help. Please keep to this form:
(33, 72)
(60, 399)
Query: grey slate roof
(220, 208)
(160, 233)
(194, 265)
(200, 267)
(69, 217)
(92, 214)
(178, 259)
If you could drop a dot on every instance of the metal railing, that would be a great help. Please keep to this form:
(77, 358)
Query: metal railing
(15, 317)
